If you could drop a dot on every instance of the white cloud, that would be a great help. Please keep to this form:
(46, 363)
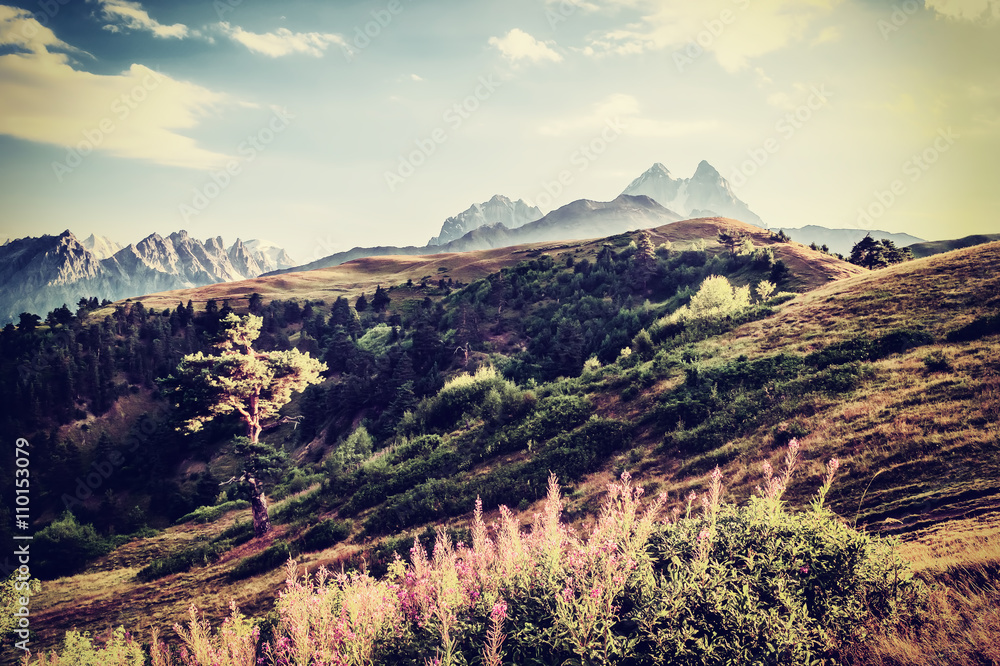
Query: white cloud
(625, 110)
(735, 31)
(283, 41)
(518, 45)
(134, 114)
(968, 10)
(127, 15)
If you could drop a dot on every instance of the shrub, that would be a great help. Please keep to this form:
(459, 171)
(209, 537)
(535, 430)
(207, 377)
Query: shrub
(65, 547)
(977, 328)
(268, 559)
(325, 534)
(715, 584)
(208, 514)
(937, 361)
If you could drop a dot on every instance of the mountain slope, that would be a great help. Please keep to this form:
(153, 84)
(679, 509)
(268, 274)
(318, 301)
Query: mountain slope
(705, 193)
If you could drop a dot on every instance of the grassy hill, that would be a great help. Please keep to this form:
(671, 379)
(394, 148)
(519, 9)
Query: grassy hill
(927, 248)
(895, 372)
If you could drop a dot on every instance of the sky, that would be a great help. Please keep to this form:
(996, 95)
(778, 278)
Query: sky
(324, 125)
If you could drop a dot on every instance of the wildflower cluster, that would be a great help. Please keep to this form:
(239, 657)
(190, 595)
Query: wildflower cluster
(714, 584)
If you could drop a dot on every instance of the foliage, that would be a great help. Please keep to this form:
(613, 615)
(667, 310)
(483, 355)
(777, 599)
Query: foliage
(715, 584)
(12, 590)
(325, 534)
(716, 298)
(266, 560)
(64, 546)
(978, 328)
(872, 253)
(208, 514)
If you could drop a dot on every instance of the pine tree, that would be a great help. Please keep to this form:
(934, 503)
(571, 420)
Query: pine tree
(251, 384)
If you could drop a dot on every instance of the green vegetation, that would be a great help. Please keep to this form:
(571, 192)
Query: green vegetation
(721, 585)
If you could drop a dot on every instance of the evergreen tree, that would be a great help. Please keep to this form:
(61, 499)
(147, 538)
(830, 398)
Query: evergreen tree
(252, 384)
(361, 304)
(380, 301)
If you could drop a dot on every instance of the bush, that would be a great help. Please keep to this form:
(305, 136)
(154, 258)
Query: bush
(268, 559)
(65, 547)
(937, 361)
(208, 514)
(325, 534)
(726, 584)
(977, 328)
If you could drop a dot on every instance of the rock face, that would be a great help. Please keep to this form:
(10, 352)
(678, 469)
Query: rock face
(40, 274)
(577, 220)
(705, 194)
(498, 210)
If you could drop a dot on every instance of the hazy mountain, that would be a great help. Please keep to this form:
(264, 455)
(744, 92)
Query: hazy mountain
(842, 240)
(101, 247)
(705, 194)
(577, 220)
(498, 210)
(928, 248)
(268, 255)
(40, 274)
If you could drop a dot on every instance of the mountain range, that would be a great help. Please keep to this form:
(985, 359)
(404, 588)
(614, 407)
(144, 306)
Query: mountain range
(652, 199)
(41, 274)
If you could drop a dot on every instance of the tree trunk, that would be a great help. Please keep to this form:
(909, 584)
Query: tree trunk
(258, 506)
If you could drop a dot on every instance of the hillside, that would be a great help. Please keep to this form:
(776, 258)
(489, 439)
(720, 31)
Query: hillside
(927, 248)
(883, 369)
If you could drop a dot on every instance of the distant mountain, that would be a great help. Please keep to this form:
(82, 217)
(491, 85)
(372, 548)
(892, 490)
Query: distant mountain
(705, 194)
(928, 248)
(268, 255)
(40, 274)
(842, 240)
(498, 210)
(577, 220)
(101, 247)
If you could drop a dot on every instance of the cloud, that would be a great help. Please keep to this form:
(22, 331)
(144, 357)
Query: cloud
(518, 45)
(283, 41)
(20, 30)
(131, 16)
(735, 31)
(625, 110)
(134, 114)
(967, 10)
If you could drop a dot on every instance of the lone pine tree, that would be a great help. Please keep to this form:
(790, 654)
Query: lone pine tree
(252, 384)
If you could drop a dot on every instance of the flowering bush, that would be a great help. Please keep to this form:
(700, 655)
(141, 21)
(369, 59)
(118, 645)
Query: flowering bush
(712, 583)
